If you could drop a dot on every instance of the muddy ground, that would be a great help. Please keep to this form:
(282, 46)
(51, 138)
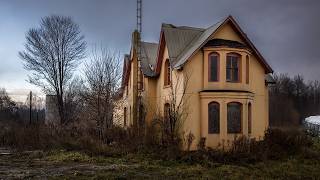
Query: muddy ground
(31, 165)
(62, 164)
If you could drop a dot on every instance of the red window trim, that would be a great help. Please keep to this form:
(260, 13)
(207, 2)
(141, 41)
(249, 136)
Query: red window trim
(241, 118)
(214, 103)
(218, 66)
(249, 118)
(239, 66)
(167, 73)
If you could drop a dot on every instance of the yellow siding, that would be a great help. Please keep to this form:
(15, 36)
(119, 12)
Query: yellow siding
(155, 94)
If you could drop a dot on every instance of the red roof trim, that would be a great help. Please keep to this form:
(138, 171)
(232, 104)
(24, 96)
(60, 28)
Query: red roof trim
(267, 67)
(162, 45)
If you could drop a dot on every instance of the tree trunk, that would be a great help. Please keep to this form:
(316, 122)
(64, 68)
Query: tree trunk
(60, 104)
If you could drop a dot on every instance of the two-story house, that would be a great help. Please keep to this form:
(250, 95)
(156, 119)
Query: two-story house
(225, 76)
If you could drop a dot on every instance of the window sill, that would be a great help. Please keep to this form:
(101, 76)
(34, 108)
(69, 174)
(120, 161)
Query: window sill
(218, 133)
(233, 81)
(234, 133)
(166, 86)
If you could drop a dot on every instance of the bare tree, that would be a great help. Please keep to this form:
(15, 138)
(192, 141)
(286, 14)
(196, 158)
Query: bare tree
(52, 52)
(74, 103)
(103, 79)
(175, 110)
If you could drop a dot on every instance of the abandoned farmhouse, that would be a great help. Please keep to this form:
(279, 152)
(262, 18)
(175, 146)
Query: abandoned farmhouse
(216, 74)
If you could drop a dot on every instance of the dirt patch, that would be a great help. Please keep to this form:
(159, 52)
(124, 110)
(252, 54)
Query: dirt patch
(31, 165)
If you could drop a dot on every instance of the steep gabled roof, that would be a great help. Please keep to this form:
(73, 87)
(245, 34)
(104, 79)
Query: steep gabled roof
(196, 44)
(183, 42)
(148, 58)
(125, 70)
(148, 62)
(201, 40)
(178, 38)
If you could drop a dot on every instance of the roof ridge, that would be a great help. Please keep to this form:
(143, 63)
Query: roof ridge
(197, 38)
(149, 42)
(166, 25)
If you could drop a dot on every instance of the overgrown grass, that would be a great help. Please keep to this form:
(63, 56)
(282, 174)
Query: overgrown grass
(283, 154)
(142, 166)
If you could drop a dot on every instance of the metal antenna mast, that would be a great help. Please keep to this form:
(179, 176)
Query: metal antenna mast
(139, 71)
(139, 16)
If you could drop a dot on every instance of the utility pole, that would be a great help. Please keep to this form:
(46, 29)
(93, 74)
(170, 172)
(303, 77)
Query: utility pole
(30, 97)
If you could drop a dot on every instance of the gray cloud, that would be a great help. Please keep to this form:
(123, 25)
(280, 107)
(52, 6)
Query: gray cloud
(285, 31)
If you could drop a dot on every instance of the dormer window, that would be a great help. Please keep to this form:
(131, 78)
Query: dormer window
(213, 67)
(233, 67)
(167, 73)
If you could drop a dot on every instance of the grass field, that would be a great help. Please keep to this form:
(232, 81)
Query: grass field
(78, 165)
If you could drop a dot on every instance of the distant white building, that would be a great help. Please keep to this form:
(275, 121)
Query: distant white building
(52, 113)
(312, 124)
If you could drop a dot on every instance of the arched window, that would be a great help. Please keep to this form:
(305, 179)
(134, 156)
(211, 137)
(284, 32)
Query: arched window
(233, 67)
(167, 73)
(247, 69)
(213, 118)
(249, 118)
(234, 117)
(166, 110)
(213, 65)
(125, 116)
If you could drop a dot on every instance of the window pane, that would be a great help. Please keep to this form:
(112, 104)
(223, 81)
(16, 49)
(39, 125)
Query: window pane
(234, 118)
(235, 74)
(229, 58)
(213, 68)
(167, 73)
(229, 74)
(234, 62)
(213, 118)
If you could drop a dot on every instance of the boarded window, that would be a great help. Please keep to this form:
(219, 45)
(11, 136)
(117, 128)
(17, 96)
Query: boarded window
(247, 69)
(213, 118)
(167, 73)
(234, 117)
(249, 118)
(233, 64)
(213, 67)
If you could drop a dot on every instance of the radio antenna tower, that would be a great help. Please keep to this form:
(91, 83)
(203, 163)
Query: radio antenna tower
(139, 111)
(139, 16)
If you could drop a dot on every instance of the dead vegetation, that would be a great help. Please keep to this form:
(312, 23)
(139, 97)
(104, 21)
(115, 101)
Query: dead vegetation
(295, 158)
(278, 144)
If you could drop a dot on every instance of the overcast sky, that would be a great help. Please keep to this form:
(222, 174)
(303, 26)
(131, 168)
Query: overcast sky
(285, 31)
